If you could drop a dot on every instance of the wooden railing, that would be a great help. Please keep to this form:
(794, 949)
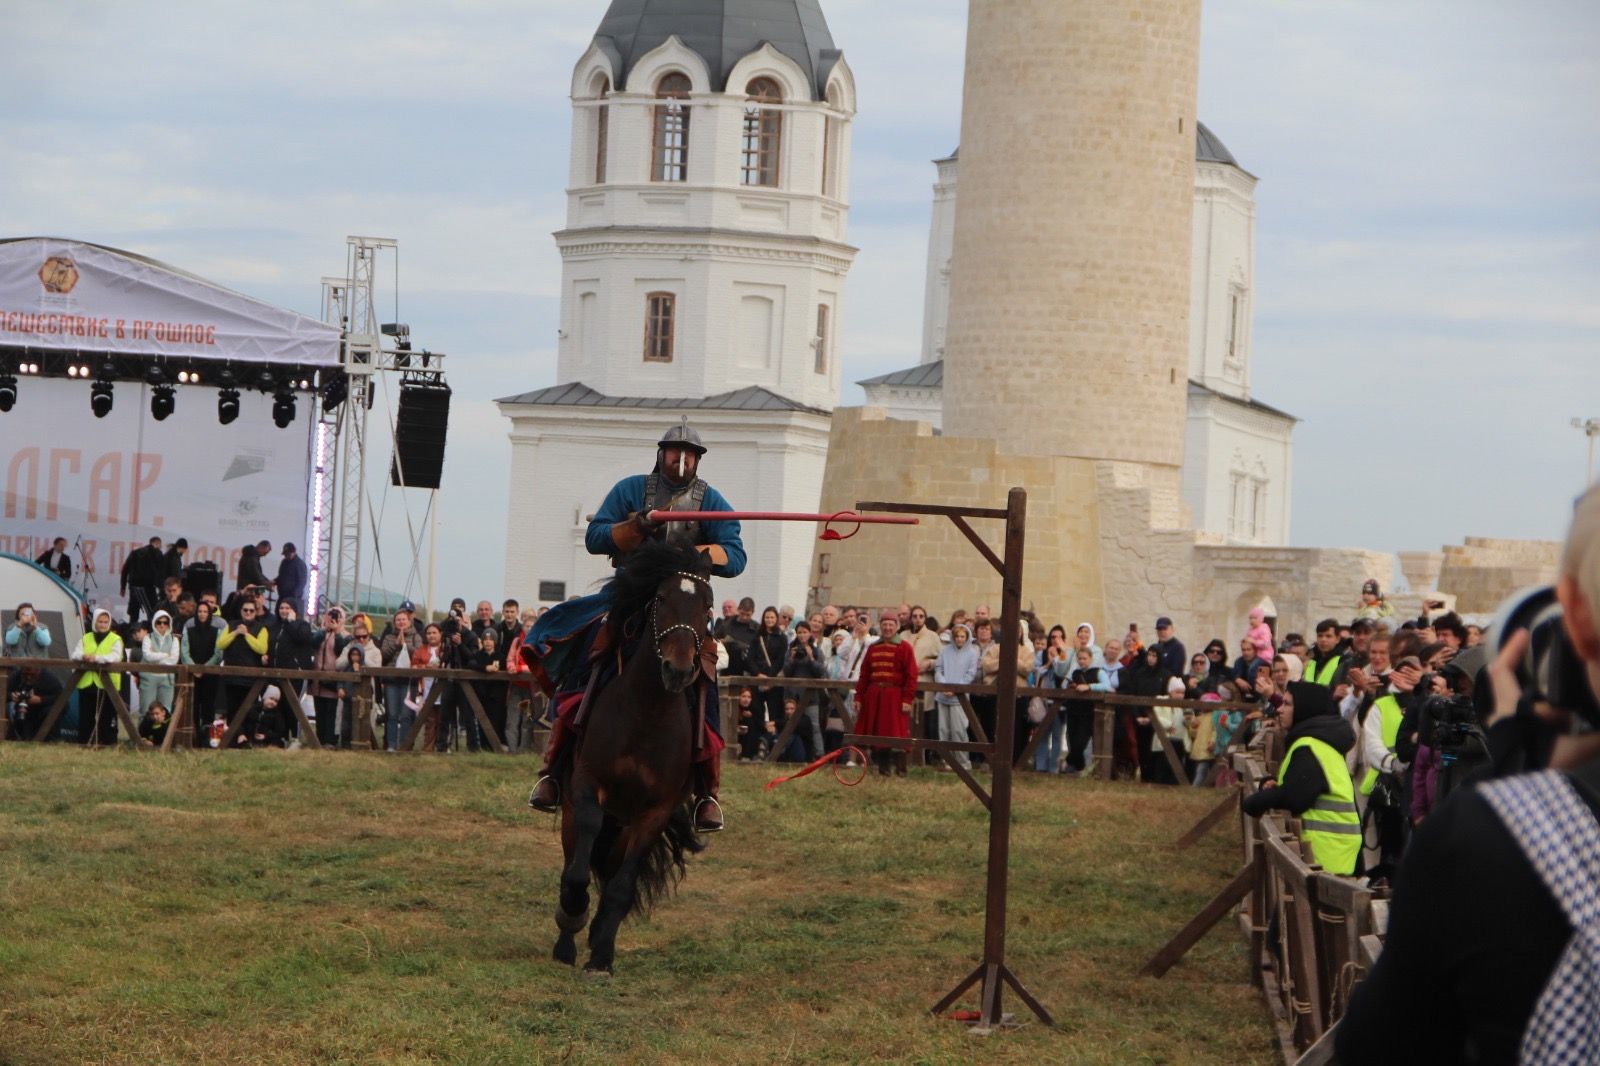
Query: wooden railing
(358, 687)
(1105, 707)
(1312, 934)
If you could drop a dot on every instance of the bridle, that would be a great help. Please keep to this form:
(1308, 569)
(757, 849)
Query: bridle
(660, 634)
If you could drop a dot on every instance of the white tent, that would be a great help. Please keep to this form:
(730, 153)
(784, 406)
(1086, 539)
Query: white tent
(57, 603)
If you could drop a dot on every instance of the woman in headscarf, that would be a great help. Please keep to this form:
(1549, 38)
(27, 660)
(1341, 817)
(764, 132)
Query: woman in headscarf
(97, 723)
(164, 648)
(1135, 734)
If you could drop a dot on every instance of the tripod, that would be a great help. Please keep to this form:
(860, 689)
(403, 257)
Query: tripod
(86, 578)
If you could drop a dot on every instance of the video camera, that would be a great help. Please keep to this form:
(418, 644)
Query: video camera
(1552, 672)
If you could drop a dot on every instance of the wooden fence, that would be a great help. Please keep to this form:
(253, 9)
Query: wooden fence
(1105, 708)
(1312, 935)
(358, 687)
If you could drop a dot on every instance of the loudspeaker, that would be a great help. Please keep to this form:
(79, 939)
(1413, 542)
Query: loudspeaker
(202, 577)
(419, 431)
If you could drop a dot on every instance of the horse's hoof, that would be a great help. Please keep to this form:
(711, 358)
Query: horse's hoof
(565, 954)
(597, 973)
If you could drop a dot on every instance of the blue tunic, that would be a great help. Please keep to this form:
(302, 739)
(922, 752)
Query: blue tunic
(568, 620)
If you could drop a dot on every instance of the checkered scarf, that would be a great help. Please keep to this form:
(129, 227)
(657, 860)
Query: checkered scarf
(1560, 835)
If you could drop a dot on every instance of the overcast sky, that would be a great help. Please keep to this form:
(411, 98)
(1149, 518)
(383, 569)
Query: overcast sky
(1428, 218)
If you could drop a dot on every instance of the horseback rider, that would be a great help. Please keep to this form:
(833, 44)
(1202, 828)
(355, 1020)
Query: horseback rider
(558, 647)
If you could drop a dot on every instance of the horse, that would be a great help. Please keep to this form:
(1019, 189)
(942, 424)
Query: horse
(625, 822)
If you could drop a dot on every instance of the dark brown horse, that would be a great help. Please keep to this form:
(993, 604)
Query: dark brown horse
(625, 823)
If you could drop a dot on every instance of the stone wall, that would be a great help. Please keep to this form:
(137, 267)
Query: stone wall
(872, 457)
(1483, 571)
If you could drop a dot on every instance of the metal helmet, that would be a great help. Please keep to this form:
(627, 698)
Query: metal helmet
(682, 435)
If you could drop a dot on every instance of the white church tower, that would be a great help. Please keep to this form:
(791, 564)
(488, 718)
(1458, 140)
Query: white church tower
(703, 267)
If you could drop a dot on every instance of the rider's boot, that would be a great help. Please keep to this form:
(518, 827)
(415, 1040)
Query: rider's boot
(546, 795)
(707, 811)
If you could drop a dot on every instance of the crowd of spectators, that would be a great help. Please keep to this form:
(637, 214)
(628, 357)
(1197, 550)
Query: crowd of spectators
(1373, 661)
(262, 623)
(1380, 674)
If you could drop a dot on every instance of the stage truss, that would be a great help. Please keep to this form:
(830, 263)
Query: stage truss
(346, 514)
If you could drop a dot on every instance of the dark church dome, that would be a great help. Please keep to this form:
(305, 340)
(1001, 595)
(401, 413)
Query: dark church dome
(721, 32)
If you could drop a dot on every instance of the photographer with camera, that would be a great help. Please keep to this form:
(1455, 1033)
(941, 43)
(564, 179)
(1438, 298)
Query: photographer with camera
(27, 637)
(29, 695)
(1494, 930)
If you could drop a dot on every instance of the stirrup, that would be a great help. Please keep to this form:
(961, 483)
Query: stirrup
(554, 805)
(703, 827)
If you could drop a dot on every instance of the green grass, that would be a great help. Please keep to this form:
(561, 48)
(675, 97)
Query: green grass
(330, 908)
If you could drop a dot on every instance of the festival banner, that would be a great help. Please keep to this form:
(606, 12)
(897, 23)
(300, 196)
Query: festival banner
(109, 484)
(70, 295)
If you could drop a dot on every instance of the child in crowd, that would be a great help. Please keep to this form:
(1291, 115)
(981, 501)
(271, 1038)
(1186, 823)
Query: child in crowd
(1260, 634)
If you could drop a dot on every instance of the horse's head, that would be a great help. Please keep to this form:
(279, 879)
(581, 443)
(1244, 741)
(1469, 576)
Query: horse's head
(680, 616)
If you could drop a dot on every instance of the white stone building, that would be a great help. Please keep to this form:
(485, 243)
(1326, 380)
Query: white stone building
(703, 267)
(1237, 464)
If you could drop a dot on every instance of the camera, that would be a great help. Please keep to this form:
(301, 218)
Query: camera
(1454, 720)
(1552, 671)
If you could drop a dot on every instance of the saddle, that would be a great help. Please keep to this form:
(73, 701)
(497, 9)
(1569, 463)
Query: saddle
(605, 660)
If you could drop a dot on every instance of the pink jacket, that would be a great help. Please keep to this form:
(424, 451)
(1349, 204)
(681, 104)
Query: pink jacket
(1260, 635)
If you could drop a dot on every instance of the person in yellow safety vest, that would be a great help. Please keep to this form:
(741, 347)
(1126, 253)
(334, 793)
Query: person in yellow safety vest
(1313, 783)
(1326, 664)
(101, 644)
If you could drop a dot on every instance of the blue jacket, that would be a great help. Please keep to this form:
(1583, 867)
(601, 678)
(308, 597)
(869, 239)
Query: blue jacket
(627, 496)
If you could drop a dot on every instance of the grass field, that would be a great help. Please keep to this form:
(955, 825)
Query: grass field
(315, 907)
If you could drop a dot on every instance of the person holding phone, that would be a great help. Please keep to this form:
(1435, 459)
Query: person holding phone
(27, 637)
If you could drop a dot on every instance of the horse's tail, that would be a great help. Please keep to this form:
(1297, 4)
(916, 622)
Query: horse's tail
(666, 862)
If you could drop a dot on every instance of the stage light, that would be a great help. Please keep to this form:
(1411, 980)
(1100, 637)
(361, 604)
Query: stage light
(163, 401)
(72, 371)
(336, 390)
(100, 398)
(227, 399)
(8, 391)
(283, 407)
(154, 375)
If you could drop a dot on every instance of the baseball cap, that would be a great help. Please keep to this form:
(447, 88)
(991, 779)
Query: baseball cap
(1163, 622)
(407, 605)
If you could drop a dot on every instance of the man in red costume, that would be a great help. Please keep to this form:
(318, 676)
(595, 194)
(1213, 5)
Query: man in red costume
(886, 690)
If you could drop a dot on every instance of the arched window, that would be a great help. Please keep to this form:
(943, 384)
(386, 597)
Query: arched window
(671, 153)
(602, 123)
(659, 327)
(763, 132)
(830, 146)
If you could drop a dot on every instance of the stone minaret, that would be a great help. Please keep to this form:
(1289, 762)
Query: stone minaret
(1069, 289)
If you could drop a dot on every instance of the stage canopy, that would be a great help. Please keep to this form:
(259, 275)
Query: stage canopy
(74, 296)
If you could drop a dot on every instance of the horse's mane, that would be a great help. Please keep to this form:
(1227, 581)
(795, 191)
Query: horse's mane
(642, 572)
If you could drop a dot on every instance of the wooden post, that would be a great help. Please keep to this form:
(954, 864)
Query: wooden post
(483, 718)
(1104, 737)
(180, 729)
(48, 726)
(1209, 915)
(361, 713)
(240, 715)
(5, 705)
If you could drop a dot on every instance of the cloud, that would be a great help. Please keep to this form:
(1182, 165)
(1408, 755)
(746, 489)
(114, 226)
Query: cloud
(1428, 218)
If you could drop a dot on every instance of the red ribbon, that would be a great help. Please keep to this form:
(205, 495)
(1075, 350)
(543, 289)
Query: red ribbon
(832, 756)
